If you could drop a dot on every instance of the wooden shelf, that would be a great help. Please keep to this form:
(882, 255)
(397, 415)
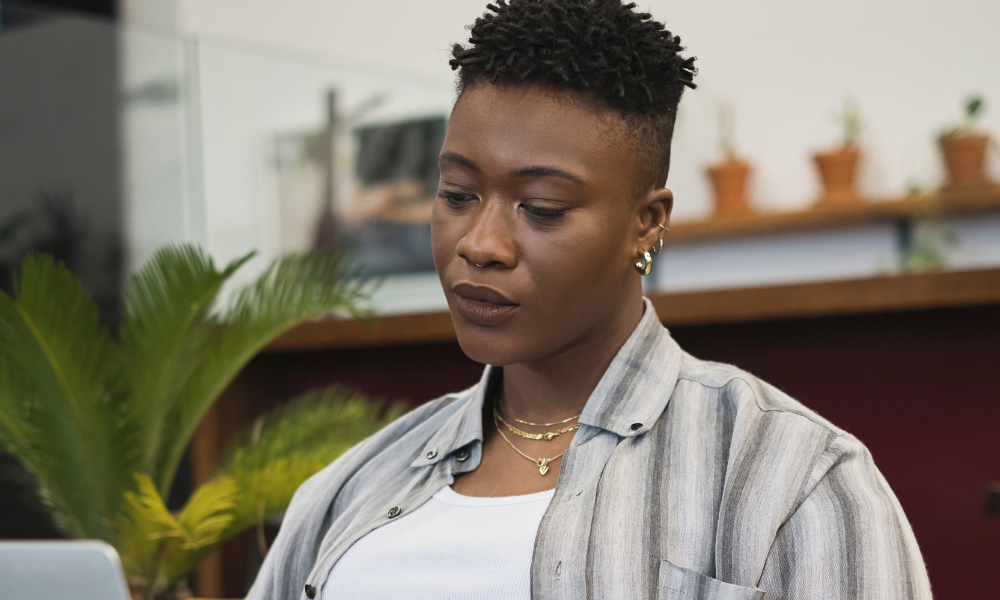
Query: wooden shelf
(862, 212)
(859, 296)
(948, 289)
(380, 331)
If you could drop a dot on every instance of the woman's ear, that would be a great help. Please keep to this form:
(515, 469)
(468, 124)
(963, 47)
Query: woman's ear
(654, 216)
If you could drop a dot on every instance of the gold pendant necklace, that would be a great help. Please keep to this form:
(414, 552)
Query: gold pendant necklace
(543, 463)
(547, 436)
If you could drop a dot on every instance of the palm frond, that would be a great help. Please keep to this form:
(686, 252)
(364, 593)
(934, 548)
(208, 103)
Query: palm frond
(158, 547)
(206, 516)
(286, 446)
(56, 403)
(147, 510)
(294, 289)
(163, 335)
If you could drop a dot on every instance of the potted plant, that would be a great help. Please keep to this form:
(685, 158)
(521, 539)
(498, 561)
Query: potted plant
(925, 245)
(101, 422)
(964, 151)
(729, 178)
(838, 168)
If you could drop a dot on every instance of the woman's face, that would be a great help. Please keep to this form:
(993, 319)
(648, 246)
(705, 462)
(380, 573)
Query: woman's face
(537, 225)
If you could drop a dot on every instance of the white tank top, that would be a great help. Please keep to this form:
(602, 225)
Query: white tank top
(453, 546)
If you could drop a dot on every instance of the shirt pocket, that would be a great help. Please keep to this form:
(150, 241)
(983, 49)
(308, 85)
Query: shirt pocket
(678, 583)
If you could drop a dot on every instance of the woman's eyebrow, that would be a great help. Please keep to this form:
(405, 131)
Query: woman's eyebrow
(542, 171)
(532, 171)
(458, 159)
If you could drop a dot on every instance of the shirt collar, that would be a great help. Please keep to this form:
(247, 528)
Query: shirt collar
(635, 389)
(463, 427)
(628, 399)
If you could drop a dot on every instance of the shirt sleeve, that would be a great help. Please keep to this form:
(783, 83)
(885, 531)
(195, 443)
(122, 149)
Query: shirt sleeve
(848, 539)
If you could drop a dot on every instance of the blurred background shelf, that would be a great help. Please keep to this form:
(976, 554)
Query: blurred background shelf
(986, 199)
(945, 289)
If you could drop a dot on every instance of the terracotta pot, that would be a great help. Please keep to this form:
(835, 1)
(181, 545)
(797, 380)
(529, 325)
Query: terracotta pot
(729, 181)
(965, 159)
(838, 171)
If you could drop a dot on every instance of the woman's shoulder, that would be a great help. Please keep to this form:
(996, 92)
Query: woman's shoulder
(759, 421)
(775, 447)
(746, 396)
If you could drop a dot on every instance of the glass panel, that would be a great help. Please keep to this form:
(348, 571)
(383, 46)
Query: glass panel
(60, 147)
(300, 154)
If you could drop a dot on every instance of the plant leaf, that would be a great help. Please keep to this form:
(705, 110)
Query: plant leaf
(286, 446)
(291, 291)
(973, 106)
(146, 509)
(207, 514)
(206, 521)
(56, 402)
(164, 333)
(155, 542)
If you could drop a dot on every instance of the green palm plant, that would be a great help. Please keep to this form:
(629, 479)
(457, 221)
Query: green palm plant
(255, 482)
(102, 423)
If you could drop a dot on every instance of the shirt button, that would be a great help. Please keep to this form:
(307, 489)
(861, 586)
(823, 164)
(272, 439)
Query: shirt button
(462, 456)
(636, 426)
(310, 591)
(393, 513)
(432, 455)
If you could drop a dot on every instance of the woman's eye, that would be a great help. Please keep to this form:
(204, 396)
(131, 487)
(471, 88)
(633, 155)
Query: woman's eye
(454, 199)
(543, 214)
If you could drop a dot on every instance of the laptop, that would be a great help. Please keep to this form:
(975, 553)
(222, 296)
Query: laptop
(61, 570)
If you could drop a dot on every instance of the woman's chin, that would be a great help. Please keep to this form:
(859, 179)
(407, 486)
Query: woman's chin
(487, 348)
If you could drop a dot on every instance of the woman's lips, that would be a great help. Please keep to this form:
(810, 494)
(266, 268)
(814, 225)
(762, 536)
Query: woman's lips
(482, 305)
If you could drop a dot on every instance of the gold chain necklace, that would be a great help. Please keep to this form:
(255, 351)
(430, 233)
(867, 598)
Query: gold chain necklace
(545, 424)
(495, 404)
(547, 436)
(543, 463)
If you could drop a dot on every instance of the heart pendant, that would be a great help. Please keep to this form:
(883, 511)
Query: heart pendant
(543, 469)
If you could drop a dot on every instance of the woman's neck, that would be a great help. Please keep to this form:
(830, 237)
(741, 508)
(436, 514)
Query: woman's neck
(557, 386)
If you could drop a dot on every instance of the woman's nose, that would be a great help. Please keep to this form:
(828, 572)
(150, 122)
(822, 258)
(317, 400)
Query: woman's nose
(489, 240)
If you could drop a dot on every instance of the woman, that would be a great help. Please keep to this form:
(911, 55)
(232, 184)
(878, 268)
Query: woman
(594, 458)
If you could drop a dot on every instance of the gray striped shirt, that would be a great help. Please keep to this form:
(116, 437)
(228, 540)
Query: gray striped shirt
(687, 480)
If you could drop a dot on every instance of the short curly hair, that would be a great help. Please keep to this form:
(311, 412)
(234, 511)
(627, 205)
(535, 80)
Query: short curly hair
(602, 50)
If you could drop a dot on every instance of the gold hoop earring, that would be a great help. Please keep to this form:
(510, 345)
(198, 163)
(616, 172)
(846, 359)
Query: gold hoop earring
(659, 245)
(645, 263)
